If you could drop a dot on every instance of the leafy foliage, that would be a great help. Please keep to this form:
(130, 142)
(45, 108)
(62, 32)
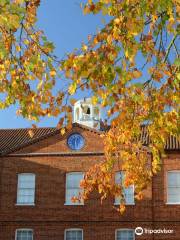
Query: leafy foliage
(131, 66)
(27, 66)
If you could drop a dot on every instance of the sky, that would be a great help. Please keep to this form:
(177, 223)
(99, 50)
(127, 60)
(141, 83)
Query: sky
(65, 25)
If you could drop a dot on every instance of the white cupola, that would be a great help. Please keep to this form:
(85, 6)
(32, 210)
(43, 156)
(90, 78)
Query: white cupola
(87, 113)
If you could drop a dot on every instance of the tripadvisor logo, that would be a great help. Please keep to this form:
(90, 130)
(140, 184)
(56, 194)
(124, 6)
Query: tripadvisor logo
(139, 231)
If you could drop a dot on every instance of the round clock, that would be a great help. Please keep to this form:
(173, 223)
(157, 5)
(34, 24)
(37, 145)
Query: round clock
(75, 141)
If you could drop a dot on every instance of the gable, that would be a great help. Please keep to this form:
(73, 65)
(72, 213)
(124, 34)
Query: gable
(56, 143)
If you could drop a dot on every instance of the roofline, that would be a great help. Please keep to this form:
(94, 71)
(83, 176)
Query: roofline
(26, 128)
(56, 131)
(56, 154)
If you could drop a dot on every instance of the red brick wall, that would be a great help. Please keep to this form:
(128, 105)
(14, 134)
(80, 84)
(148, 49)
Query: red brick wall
(58, 143)
(50, 217)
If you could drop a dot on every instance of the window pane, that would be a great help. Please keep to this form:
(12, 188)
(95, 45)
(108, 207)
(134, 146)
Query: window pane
(26, 192)
(73, 180)
(71, 193)
(129, 195)
(26, 180)
(119, 177)
(74, 235)
(128, 192)
(125, 235)
(174, 195)
(174, 191)
(24, 235)
(26, 188)
(73, 186)
(174, 179)
(173, 187)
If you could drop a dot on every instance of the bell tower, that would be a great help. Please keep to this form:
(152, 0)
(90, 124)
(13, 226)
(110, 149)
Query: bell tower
(87, 114)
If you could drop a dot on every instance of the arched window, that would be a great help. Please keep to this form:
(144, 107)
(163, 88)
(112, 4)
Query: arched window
(86, 110)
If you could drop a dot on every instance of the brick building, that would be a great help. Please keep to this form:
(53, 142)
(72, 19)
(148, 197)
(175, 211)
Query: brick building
(39, 175)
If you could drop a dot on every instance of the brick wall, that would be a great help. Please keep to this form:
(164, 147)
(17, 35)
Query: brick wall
(50, 217)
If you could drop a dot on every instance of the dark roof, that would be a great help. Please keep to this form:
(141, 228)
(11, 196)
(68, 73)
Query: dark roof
(172, 143)
(14, 139)
(11, 139)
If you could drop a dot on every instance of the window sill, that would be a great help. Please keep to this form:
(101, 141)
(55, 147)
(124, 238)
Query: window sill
(127, 204)
(72, 204)
(173, 203)
(25, 204)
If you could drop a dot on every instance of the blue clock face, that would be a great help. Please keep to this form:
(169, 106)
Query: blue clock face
(75, 141)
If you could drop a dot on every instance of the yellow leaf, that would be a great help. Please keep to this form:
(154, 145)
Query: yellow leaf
(117, 20)
(72, 89)
(72, 101)
(18, 49)
(31, 133)
(52, 73)
(84, 47)
(26, 41)
(94, 100)
(62, 131)
(122, 208)
(137, 74)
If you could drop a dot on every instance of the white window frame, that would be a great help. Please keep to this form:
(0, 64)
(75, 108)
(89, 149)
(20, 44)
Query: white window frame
(24, 229)
(167, 201)
(72, 203)
(73, 229)
(25, 204)
(127, 204)
(124, 229)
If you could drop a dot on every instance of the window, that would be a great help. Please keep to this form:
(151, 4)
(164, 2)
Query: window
(73, 187)
(128, 192)
(173, 191)
(86, 109)
(26, 189)
(125, 234)
(86, 112)
(73, 234)
(24, 234)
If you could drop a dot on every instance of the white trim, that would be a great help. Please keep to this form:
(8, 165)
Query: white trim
(72, 229)
(122, 229)
(126, 204)
(71, 203)
(24, 229)
(172, 203)
(167, 202)
(25, 204)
